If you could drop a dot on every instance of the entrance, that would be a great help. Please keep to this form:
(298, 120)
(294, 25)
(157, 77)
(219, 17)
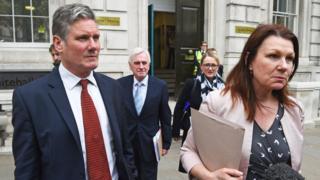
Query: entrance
(189, 35)
(164, 40)
(178, 30)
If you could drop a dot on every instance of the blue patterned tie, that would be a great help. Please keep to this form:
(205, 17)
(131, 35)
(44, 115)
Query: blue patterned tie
(138, 97)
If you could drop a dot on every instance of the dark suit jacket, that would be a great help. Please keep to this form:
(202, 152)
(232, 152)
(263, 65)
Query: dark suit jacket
(46, 143)
(154, 111)
(194, 99)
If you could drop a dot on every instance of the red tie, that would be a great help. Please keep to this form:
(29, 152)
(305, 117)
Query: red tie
(97, 161)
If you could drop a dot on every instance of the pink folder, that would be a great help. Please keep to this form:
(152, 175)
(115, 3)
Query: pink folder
(218, 141)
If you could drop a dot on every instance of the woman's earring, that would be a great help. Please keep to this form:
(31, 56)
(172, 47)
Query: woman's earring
(251, 71)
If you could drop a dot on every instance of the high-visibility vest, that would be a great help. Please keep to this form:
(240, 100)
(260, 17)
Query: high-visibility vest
(198, 57)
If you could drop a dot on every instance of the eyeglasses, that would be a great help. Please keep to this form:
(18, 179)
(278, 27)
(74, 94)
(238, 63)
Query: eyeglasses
(210, 65)
(140, 62)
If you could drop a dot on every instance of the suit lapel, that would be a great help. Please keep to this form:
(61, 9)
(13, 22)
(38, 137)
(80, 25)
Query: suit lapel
(107, 93)
(59, 97)
(132, 106)
(293, 137)
(149, 90)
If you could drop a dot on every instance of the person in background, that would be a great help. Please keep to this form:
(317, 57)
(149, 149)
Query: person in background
(194, 92)
(148, 111)
(256, 97)
(171, 49)
(197, 58)
(69, 124)
(54, 55)
(220, 68)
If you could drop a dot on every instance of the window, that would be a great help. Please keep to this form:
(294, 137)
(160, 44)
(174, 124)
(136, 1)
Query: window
(284, 12)
(24, 21)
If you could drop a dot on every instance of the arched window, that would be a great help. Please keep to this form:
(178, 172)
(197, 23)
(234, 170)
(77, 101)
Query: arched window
(24, 21)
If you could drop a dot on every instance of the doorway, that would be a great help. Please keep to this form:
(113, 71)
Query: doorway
(164, 40)
(189, 35)
(177, 29)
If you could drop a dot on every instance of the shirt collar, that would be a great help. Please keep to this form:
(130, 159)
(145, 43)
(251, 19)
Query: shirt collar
(144, 81)
(73, 80)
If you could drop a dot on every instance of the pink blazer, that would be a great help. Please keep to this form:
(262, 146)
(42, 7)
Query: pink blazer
(216, 104)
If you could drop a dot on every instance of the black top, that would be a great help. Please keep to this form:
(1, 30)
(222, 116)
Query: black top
(181, 120)
(268, 148)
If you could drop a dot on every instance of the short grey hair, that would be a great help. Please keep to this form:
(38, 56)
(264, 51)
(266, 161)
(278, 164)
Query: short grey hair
(136, 51)
(66, 15)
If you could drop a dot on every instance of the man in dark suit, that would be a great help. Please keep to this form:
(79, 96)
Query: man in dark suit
(69, 125)
(147, 104)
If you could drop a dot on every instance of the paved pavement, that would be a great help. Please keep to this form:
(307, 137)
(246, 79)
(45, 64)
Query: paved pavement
(168, 165)
(311, 154)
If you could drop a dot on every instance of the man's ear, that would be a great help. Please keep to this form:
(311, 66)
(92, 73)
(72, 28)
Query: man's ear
(130, 66)
(58, 43)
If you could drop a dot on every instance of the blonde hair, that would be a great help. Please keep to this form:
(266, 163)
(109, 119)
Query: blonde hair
(210, 53)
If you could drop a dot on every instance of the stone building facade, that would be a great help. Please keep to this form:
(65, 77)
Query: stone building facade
(124, 25)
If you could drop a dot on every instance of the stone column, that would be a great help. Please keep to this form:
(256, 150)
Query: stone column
(5, 121)
(308, 93)
(3, 126)
(6, 132)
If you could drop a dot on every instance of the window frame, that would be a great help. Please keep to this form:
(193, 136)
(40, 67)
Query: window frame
(286, 14)
(32, 43)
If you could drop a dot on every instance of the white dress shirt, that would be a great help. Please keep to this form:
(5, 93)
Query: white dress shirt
(143, 88)
(73, 90)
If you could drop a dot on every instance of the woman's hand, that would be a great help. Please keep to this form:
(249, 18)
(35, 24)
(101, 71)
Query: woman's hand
(200, 172)
(227, 174)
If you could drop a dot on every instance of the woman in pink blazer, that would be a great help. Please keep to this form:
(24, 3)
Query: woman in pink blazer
(256, 97)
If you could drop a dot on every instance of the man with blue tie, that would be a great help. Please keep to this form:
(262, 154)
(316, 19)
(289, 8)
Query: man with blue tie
(69, 125)
(148, 110)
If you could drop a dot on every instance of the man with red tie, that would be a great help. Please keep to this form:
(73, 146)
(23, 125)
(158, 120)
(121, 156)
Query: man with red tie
(69, 125)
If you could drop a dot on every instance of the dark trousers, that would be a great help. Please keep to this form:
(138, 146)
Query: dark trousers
(147, 169)
(184, 136)
(171, 60)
